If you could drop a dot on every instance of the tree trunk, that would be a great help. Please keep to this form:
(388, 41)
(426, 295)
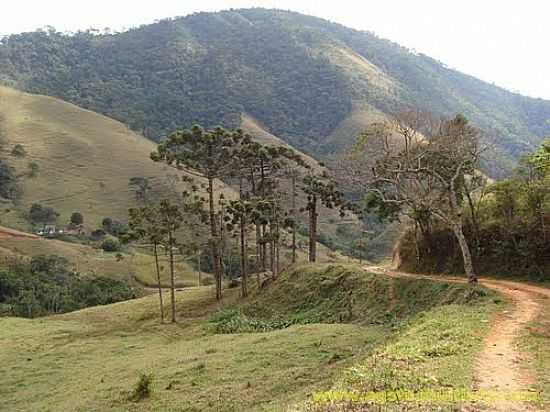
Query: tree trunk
(466, 256)
(271, 250)
(313, 230)
(172, 277)
(262, 195)
(199, 266)
(155, 251)
(214, 240)
(293, 213)
(277, 258)
(264, 249)
(542, 223)
(244, 272)
(416, 247)
(475, 223)
(258, 253)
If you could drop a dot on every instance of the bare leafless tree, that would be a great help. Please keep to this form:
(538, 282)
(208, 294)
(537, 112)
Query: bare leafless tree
(419, 165)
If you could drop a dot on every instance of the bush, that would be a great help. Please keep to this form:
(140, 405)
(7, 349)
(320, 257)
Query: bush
(18, 151)
(110, 245)
(9, 188)
(114, 227)
(77, 219)
(42, 214)
(97, 234)
(143, 387)
(33, 169)
(234, 321)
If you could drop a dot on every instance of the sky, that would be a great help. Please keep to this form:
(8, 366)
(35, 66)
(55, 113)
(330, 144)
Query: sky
(505, 42)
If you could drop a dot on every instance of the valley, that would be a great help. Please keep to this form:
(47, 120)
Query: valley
(260, 210)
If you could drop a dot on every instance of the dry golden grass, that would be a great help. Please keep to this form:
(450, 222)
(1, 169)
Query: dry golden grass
(92, 261)
(85, 160)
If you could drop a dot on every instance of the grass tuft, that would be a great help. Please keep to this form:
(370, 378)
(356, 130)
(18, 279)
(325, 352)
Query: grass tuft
(143, 387)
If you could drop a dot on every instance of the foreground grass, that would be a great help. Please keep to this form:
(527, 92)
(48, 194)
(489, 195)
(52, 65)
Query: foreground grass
(535, 343)
(91, 360)
(435, 352)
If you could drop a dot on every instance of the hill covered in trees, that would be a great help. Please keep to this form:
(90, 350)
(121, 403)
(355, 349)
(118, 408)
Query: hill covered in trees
(313, 83)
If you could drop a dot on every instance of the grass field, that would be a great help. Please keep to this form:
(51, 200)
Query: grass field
(85, 160)
(91, 360)
(134, 265)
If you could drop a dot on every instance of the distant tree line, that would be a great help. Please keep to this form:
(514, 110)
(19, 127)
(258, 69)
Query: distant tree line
(45, 285)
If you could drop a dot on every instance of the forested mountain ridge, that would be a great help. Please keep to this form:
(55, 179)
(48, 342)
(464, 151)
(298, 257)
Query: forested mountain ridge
(311, 82)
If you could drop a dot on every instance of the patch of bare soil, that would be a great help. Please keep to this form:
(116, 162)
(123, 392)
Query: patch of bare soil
(7, 233)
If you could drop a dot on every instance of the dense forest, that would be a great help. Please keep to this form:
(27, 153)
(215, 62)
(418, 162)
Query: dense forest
(299, 76)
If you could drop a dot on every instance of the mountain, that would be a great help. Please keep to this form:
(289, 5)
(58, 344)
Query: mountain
(310, 82)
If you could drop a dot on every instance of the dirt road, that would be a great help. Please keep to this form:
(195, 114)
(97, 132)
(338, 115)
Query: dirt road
(7, 233)
(500, 365)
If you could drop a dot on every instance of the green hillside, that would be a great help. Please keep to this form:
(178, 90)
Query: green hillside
(311, 82)
(132, 265)
(91, 360)
(85, 160)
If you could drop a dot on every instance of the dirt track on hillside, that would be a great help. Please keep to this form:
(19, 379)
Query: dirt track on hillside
(500, 365)
(7, 233)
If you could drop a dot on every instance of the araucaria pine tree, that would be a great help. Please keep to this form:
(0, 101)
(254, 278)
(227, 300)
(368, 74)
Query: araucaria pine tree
(207, 154)
(144, 225)
(319, 189)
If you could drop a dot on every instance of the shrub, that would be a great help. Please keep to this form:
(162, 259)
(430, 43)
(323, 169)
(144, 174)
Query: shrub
(42, 214)
(9, 188)
(77, 219)
(110, 245)
(234, 321)
(97, 234)
(18, 151)
(143, 387)
(114, 227)
(33, 169)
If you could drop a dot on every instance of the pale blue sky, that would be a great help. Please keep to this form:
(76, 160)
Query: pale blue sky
(502, 41)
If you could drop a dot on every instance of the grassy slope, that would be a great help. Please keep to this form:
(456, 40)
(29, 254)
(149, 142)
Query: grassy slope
(346, 133)
(85, 162)
(94, 262)
(90, 360)
(85, 159)
(535, 342)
